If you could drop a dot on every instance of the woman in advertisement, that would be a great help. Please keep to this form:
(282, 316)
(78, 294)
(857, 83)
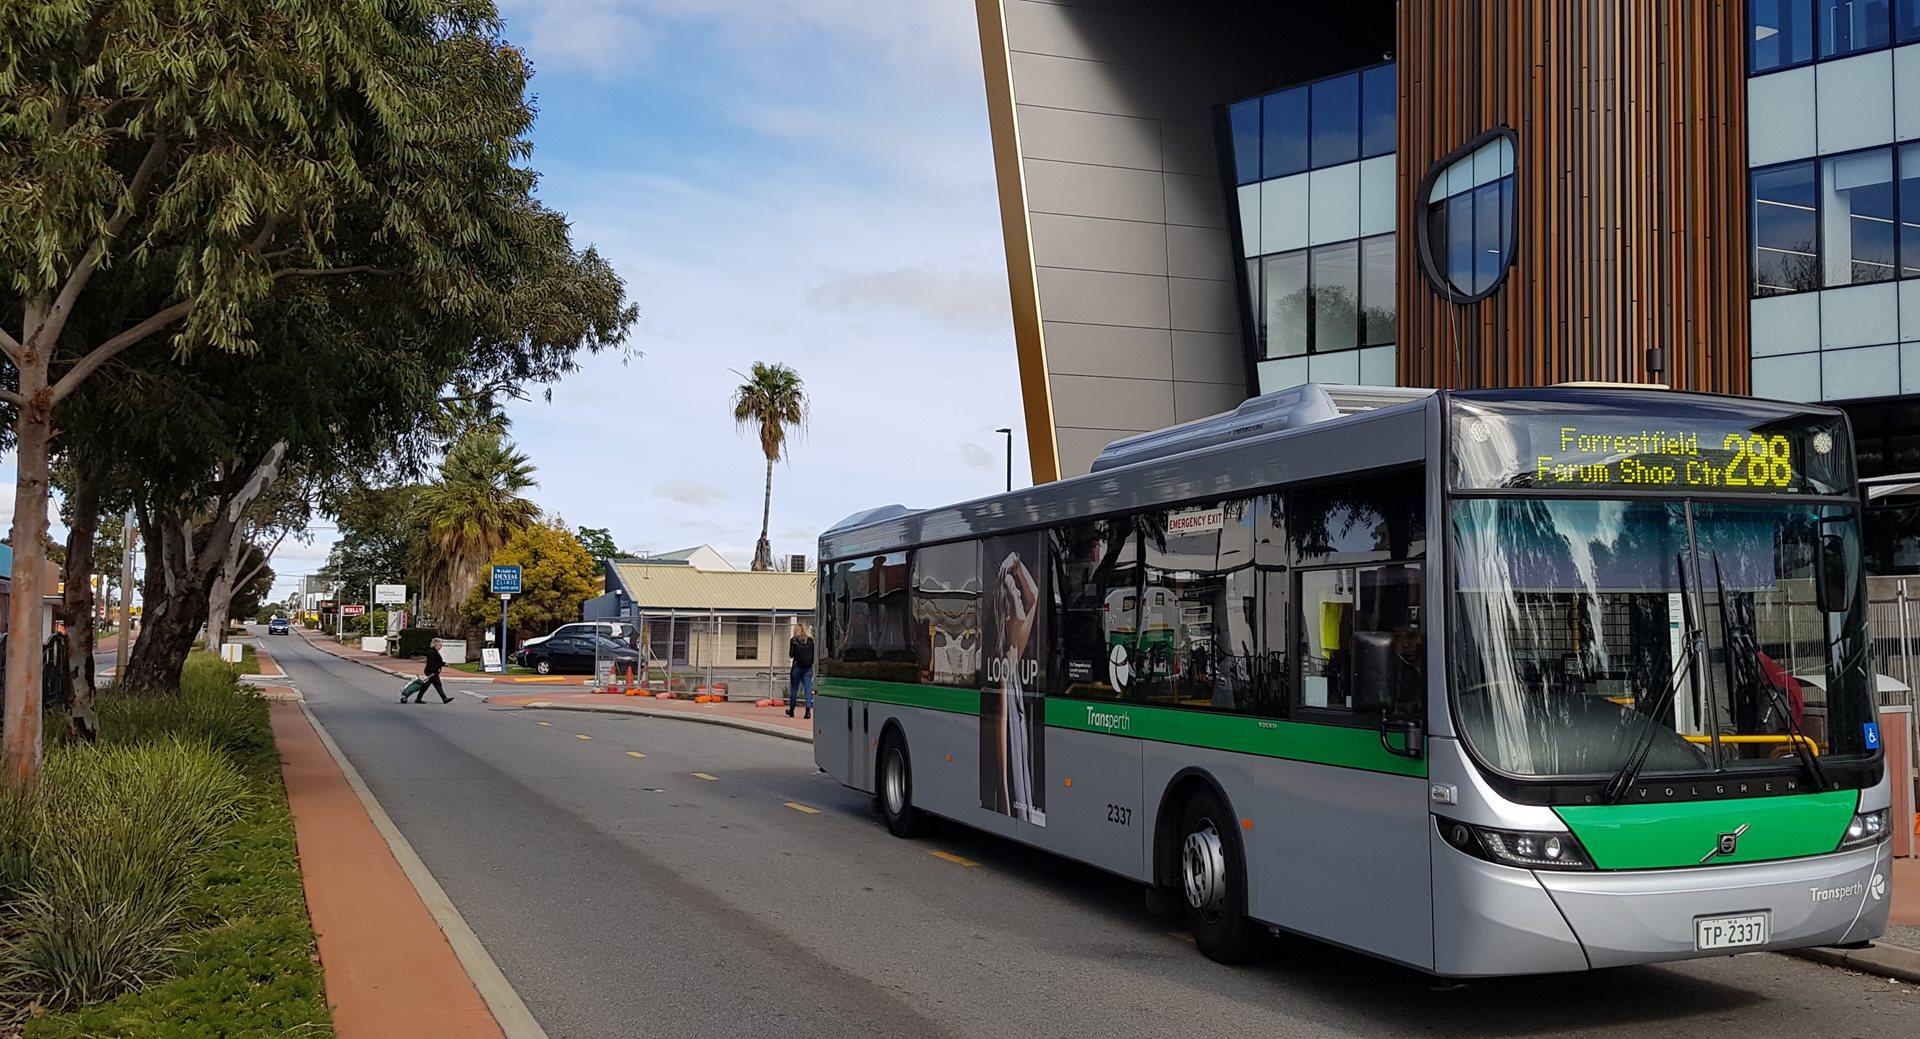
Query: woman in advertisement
(1010, 730)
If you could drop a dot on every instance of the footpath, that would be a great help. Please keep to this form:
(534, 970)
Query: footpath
(398, 961)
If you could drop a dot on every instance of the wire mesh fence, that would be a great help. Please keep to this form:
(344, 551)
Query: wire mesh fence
(729, 654)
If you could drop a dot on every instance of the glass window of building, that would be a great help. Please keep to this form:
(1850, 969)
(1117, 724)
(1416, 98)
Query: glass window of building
(1852, 26)
(1909, 209)
(1906, 21)
(1336, 120)
(1336, 296)
(1283, 121)
(1786, 251)
(1469, 220)
(1379, 111)
(746, 638)
(1377, 303)
(1244, 119)
(1857, 216)
(1284, 281)
(1780, 34)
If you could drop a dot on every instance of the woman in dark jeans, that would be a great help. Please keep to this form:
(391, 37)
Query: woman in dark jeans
(800, 652)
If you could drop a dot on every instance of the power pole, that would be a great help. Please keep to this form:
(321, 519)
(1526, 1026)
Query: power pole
(129, 533)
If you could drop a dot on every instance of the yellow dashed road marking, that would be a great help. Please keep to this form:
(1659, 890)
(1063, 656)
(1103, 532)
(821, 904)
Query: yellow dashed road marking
(635, 754)
(708, 778)
(579, 736)
(1181, 936)
(802, 808)
(547, 724)
(955, 859)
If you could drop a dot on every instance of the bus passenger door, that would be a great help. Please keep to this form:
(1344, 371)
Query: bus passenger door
(1351, 854)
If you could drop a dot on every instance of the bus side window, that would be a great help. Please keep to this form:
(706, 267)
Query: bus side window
(1338, 602)
(945, 602)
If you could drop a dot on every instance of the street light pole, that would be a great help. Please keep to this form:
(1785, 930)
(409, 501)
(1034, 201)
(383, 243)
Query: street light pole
(1009, 436)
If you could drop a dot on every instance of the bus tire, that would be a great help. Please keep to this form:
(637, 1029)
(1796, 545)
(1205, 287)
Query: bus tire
(1213, 879)
(894, 790)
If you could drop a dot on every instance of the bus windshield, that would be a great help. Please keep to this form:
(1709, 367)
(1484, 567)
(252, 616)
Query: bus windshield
(1574, 622)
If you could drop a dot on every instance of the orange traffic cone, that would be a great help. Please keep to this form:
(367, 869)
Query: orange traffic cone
(633, 682)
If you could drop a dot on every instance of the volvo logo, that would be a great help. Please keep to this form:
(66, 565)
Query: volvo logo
(1729, 843)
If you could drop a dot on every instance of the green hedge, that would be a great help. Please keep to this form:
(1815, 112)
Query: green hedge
(414, 642)
(238, 958)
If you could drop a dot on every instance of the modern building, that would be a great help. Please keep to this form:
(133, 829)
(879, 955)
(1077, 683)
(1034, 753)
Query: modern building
(1207, 200)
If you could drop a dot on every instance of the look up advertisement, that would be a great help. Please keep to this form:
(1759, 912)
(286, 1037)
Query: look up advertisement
(1012, 724)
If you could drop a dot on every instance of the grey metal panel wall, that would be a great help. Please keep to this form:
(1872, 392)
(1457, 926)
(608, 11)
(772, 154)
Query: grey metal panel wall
(1126, 216)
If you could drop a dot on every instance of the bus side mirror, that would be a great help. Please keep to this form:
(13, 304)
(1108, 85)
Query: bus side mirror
(1833, 578)
(1372, 670)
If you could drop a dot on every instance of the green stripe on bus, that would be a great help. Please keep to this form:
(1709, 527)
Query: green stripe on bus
(932, 697)
(1339, 745)
(1670, 835)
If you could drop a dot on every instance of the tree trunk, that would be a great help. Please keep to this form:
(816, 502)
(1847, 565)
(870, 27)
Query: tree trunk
(763, 550)
(33, 432)
(220, 596)
(174, 606)
(85, 505)
(192, 553)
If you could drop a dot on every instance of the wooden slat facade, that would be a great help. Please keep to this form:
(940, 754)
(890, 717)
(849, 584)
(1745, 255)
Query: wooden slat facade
(1630, 160)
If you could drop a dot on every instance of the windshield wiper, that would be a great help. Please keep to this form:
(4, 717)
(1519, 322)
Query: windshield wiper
(1642, 745)
(1802, 747)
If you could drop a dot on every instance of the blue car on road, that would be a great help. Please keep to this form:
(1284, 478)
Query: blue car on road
(278, 626)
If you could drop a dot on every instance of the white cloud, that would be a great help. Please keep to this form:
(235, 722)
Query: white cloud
(977, 457)
(964, 299)
(609, 36)
(689, 492)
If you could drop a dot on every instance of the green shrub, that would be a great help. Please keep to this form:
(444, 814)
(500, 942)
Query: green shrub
(414, 642)
(117, 838)
(212, 705)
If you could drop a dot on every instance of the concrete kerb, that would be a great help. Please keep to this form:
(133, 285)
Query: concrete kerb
(746, 724)
(1880, 959)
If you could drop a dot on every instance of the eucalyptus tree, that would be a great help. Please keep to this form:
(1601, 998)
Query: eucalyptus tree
(181, 166)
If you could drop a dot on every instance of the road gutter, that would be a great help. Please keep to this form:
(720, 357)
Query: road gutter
(1887, 961)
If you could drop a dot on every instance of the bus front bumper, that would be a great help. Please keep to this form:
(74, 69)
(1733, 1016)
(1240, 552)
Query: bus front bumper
(1622, 918)
(1497, 920)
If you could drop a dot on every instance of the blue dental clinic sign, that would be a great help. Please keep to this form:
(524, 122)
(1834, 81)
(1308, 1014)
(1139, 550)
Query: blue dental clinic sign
(506, 580)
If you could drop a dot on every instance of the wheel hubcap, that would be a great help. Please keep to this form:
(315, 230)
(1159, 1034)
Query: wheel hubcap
(1204, 870)
(895, 783)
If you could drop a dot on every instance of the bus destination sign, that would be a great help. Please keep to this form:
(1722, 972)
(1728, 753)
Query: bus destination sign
(1586, 449)
(1660, 458)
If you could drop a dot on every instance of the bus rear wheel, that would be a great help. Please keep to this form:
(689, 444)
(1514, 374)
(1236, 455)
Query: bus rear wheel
(1213, 877)
(894, 791)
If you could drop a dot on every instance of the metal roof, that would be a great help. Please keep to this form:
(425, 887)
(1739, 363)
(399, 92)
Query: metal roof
(674, 586)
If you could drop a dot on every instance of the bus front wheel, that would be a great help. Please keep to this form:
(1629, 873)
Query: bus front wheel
(894, 792)
(1213, 876)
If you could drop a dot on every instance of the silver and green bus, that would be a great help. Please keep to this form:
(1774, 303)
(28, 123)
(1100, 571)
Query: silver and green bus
(1484, 683)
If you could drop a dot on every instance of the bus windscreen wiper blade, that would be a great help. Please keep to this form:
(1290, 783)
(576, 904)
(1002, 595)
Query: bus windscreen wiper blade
(1642, 744)
(1802, 747)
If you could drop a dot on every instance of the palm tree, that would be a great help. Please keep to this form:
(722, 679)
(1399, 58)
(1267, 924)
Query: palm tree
(473, 511)
(772, 398)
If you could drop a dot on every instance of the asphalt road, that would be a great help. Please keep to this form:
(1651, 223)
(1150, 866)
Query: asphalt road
(717, 886)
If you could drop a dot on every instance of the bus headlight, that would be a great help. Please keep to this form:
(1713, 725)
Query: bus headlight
(1866, 828)
(1527, 849)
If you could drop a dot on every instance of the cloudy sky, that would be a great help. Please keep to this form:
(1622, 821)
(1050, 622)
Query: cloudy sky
(807, 182)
